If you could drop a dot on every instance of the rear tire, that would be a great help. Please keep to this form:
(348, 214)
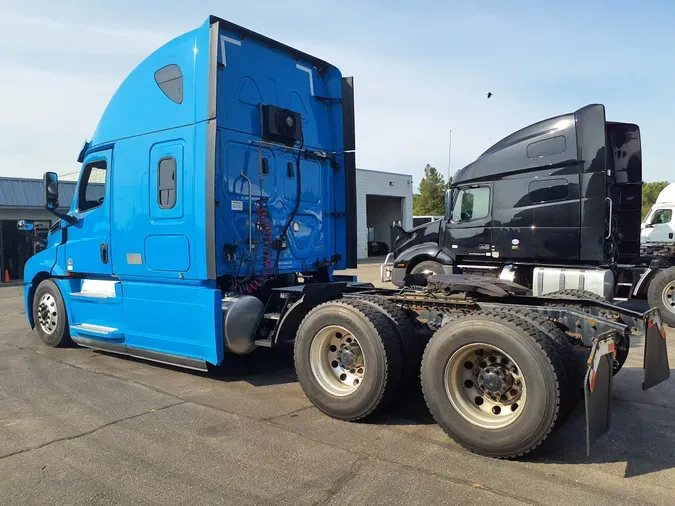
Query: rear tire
(576, 294)
(621, 349)
(49, 315)
(348, 359)
(661, 294)
(522, 421)
(575, 365)
(410, 340)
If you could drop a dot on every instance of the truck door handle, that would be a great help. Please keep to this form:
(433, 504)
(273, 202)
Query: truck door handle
(104, 253)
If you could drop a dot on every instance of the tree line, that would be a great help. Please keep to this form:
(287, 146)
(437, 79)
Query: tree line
(430, 197)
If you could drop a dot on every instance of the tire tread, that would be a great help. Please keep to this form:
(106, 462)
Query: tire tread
(549, 350)
(390, 347)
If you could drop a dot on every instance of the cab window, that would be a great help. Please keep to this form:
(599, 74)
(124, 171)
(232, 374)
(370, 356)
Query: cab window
(92, 186)
(662, 216)
(471, 204)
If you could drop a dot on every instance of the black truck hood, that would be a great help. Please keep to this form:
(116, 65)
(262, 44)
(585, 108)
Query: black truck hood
(425, 233)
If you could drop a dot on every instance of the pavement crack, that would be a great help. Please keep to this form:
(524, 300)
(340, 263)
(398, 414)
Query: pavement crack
(343, 480)
(290, 413)
(88, 432)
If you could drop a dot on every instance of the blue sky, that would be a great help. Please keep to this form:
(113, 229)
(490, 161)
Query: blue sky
(420, 70)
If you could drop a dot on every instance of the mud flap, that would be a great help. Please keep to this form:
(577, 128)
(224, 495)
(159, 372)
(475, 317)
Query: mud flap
(655, 362)
(598, 390)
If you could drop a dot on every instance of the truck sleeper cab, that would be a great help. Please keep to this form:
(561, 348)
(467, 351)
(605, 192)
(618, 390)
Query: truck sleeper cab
(216, 198)
(218, 165)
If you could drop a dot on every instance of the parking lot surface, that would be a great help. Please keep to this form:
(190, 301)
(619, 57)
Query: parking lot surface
(83, 427)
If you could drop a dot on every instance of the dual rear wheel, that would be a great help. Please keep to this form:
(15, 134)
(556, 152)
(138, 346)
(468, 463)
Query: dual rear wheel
(492, 380)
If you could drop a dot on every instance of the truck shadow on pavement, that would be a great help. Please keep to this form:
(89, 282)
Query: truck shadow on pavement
(642, 432)
(262, 368)
(643, 423)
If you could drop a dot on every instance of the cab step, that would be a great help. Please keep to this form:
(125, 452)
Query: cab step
(97, 331)
(272, 316)
(264, 343)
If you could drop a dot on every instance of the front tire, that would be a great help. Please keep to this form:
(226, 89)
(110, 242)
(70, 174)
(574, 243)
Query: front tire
(348, 359)
(661, 294)
(49, 315)
(428, 268)
(492, 381)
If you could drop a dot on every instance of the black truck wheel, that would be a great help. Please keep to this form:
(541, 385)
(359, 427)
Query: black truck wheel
(494, 383)
(49, 315)
(622, 348)
(661, 294)
(348, 359)
(428, 267)
(576, 294)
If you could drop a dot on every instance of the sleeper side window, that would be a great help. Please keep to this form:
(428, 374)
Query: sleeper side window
(91, 191)
(170, 81)
(472, 204)
(166, 183)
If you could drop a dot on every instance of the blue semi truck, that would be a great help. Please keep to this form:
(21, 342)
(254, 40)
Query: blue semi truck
(215, 201)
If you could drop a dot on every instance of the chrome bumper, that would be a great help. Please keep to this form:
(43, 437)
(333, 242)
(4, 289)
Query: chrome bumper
(386, 268)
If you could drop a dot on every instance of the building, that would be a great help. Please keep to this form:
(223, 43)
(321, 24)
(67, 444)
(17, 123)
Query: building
(22, 199)
(381, 199)
(94, 177)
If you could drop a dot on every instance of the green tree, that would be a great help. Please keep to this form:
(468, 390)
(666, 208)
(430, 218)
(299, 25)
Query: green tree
(431, 197)
(650, 191)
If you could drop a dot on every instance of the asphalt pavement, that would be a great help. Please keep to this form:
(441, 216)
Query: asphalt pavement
(83, 427)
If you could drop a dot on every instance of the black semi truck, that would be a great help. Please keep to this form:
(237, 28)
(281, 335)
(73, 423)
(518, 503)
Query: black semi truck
(554, 206)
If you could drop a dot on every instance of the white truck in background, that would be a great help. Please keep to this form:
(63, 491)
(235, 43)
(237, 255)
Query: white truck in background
(658, 227)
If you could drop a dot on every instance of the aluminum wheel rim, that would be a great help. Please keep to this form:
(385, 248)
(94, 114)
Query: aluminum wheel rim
(48, 316)
(337, 361)
(668, 296)
(485, 385)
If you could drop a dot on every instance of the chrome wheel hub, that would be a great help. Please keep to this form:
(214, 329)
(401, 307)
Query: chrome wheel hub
(47, 313)
(485, 386)
(337, 361)
(668, 296)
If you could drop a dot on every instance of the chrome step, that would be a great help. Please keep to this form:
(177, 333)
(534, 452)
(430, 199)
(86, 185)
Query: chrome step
(272, 316)
(92, 295)
(263, 343)
(94, 329)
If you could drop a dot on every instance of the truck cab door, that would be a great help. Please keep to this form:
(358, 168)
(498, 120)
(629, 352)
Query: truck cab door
(469, 230)
(88, 244)
(659, 228)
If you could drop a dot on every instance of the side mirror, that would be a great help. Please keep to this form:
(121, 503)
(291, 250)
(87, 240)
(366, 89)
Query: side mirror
(25, 226)
(448, 203)
(51, 189)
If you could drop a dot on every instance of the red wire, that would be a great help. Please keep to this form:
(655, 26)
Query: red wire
(265, 224)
